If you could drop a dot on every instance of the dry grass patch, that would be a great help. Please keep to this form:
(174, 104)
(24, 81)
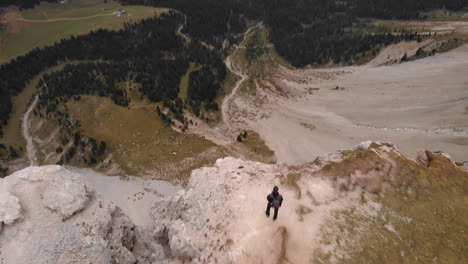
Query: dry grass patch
(256, 148)
(137, 138)
(423, 216)
(184, 81)
(362, 160)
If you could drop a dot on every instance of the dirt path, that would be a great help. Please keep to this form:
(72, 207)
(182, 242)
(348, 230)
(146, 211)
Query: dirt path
(62, 19)
(236, 69)
(224, 133)
(228, 99)
(179, 31)
(31, 152)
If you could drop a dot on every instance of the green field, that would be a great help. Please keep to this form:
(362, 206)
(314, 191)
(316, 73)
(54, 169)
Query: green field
(184, 81)
(48, 23)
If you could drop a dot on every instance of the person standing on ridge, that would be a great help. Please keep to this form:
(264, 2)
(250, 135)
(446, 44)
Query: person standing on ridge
(274, 200)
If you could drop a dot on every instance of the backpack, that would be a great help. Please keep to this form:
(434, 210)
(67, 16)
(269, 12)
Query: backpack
(276, 203)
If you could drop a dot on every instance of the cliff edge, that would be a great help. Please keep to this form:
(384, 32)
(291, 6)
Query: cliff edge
(364, 204)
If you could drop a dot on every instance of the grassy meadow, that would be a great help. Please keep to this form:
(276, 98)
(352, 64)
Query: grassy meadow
(48, 23)
(138, 138)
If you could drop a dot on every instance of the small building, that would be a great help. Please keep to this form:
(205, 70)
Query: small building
(120, 12)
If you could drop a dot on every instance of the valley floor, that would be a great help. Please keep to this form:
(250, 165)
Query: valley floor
(418, 104)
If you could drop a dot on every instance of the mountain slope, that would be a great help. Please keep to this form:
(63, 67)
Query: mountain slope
(362, 205)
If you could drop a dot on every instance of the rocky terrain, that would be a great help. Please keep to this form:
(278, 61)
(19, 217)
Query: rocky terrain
(50, 215)
(416, 104)
(335, 208)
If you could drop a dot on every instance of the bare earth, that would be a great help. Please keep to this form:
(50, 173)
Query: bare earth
(421, 104)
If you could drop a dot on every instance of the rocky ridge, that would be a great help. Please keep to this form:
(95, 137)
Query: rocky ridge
(51, 215)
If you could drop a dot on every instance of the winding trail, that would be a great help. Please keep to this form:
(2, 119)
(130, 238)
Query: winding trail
(224, 133)
(237, 71)
(31, 152)
(228, 99)
(179, 32)
(181, 26)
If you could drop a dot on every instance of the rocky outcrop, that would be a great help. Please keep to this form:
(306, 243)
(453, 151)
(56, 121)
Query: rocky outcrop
(10, 210)
(424, 157)
(65, 194)
(220, 217)
(51, 215)
(421, 158)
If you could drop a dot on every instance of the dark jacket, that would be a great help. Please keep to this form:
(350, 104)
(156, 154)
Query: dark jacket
(275, 199)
